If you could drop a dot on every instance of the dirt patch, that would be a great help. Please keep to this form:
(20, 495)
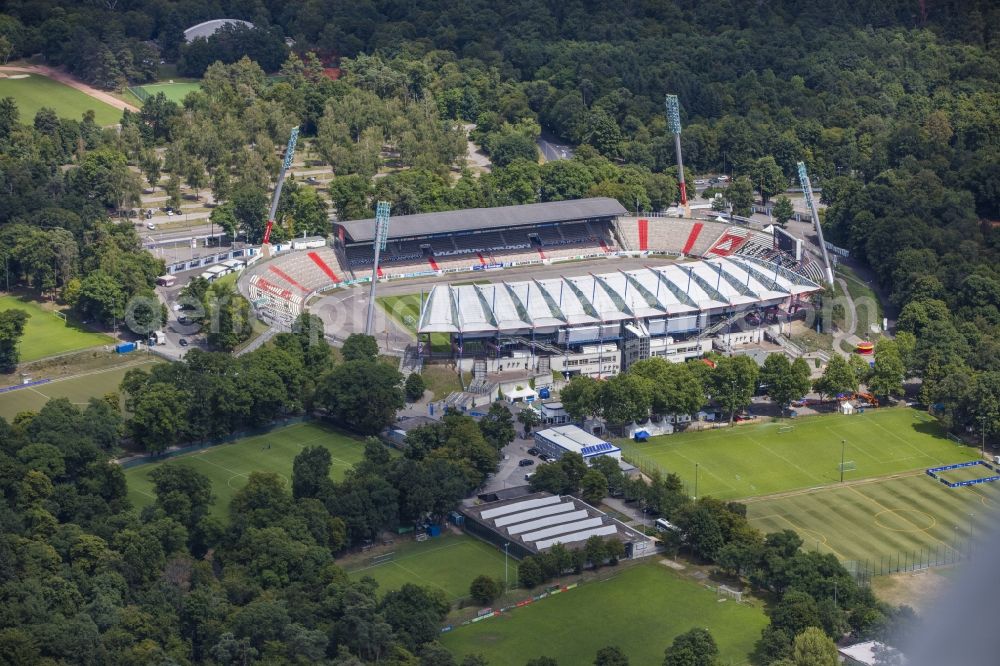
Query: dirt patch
(917, 589)
(672, 564)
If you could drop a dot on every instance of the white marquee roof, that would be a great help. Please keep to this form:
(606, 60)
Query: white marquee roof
(675, 289)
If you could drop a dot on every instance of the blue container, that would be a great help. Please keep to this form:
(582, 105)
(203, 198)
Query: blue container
(543, 393)
(126, 347)
(434, 530)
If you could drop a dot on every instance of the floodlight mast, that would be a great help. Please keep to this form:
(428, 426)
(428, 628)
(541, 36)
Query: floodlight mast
(381, 236)
(285, 166)
(674, 124)
(808, 193)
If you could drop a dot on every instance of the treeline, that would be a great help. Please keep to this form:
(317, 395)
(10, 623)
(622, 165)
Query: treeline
(87, 579)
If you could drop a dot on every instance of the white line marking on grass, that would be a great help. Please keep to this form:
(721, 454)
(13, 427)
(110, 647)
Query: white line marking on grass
(778, 455)
(143, 492)
(231, 471)
(923, 453)
(34, 390)
(707, 469)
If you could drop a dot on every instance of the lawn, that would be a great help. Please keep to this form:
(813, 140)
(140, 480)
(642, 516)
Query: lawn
(35, 91)
(45, 334)
(641, 611)
(78, 388)
(866, 302)
(175, 92)
(405, 309)
(449, 562)
(756, 460)
(893, 517)
(229, 465)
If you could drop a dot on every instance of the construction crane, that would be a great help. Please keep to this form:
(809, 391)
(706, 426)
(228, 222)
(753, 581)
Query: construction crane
(289, 154)
(674, 124)
(808, 192)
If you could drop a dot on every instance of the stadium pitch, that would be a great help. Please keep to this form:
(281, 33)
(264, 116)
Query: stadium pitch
(35, 91)
(640, 610)
(45, 333)
(406, 310)
(896, 517)
(228, 466)
(449, 562)
(768, 458)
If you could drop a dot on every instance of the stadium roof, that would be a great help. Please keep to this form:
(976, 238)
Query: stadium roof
(676, 289)
(480, 219)
(208, 28)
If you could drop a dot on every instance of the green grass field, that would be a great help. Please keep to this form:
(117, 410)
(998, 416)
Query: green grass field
(34, 92)
(754, 460)
(45, 334)
(78, 389)
(641, 611)
(449, 562)
(175, 92)
(406, 310)
(882, 518)
(229, 465)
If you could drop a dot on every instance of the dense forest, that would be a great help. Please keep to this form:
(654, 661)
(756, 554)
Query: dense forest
(894, 106)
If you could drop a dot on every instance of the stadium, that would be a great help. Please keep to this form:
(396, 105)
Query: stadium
(723, 284)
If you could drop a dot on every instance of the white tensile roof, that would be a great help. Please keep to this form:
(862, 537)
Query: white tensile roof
(676, 289)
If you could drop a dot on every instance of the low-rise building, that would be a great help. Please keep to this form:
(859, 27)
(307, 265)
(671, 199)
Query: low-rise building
(555, 442)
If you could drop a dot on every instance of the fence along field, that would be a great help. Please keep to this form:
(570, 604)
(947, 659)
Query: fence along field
(768, 458)
(228, 466)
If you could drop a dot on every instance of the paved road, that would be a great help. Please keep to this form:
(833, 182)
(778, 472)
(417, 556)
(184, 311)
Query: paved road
(553, 150)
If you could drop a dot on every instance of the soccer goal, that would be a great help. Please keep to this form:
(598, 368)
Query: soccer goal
(61, 315)
(383, 558)
(724, 592)
(785, 429)
(847, 466)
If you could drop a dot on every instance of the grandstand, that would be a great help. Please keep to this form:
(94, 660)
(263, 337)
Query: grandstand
(598, 325)
(430, 244)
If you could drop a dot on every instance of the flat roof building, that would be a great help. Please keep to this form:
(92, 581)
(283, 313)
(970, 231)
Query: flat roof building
(533, 523)
(557, 441)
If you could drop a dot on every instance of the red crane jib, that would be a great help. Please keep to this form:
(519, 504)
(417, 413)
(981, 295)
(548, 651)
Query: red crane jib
(267, 231)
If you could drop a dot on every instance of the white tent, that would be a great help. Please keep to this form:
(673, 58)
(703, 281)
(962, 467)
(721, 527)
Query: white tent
(846, 407)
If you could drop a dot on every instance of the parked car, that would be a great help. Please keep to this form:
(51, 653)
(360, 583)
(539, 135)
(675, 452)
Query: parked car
(532, 451)
(525, 462)
(151, 226)
(183, 342)
(312, 180)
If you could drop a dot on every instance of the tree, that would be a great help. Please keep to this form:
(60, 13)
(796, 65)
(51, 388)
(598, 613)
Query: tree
(812, 647)
(159, 416)
(221, 184)
(767, 178)
(580, 397)
(782, 211)
(593, 487)
(498, 426)
(150, 165)
(740, 196)
(250, 210)
(837, 378)
(625, 398)
(675, 387)
(734, 381)
(224, 216)
(611, 655)
(183, 493)
(785, 381)
(311, 473)
(363, 395)
(359, 347)
(194, 174)
(887, 376)
(11, 329)
(350, 196)
(173, 189)
(484, 590)
(528, 418)
(414, 387)
(692, 648)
